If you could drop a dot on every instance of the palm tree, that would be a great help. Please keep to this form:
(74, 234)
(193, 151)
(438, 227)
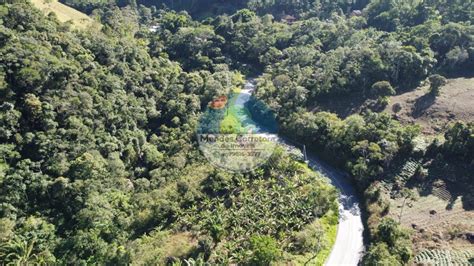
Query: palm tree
(18, 252)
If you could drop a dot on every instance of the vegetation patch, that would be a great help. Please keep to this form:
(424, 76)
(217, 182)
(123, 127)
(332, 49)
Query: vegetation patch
(445, 257)
(99, 157)
(317, 239)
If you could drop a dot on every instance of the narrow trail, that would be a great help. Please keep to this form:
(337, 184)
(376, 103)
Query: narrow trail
(349, 246)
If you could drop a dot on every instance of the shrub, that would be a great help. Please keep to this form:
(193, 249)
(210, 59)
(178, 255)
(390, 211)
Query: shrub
(382, 88)
(311, 238)
(382, 101)
(436, 82)
(379, 254)
(421, 173)
(397, 107)
(264, 249)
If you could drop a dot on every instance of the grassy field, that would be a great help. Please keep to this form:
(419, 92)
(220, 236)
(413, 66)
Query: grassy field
(65, 13)
(233, 121)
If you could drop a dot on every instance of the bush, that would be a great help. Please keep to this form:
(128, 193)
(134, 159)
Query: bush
(264, 250)
(396, 107)
(390, 244)
(436, 82)
(379, 254)
(421, 173)
(311, 238)
(382, 88)
(389, 232)
(382, 102)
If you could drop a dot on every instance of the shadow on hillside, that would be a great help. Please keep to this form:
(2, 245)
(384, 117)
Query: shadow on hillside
(342, 105)
(456, 184)
(423, 103)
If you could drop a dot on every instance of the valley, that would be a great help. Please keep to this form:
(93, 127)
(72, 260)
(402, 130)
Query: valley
(252, 132)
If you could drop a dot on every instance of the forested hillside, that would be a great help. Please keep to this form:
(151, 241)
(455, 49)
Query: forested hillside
(99, 164)
(99, 160)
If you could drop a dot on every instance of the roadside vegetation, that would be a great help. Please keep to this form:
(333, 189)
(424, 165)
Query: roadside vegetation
(99, 160)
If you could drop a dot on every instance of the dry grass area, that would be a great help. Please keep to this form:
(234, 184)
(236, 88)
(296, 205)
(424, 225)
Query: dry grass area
(456, 102)
(438, 221)
(157, 247)
(179, 244)
(65, 13)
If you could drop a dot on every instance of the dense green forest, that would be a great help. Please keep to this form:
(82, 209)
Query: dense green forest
(99, 162)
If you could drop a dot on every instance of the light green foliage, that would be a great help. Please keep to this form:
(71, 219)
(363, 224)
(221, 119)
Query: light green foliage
(272, 206)
(230, 125)
(173, 21)
(445, 257)
(30, 243)
(311, 238)
(158, 247)
(152, 156)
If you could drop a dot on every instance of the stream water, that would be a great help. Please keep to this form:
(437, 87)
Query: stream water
(349, 246)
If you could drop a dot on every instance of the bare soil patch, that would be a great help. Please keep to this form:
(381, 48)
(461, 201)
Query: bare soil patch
(434, 114)
(436, 210)
(436, 223)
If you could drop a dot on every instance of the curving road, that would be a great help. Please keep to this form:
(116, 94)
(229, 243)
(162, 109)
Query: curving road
(349, 246)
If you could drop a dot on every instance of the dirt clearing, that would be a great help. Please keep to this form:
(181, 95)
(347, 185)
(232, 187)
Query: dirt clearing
(456, 102)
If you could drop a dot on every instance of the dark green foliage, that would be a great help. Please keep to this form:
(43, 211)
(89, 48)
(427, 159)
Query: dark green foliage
(87, 5)
(264, 250)
(382, 88)
(379, 254)
(459, 145)
(98, 162)
(206, 8)
(85, 118)
(436, 81)
(391, 245)
(365, 145)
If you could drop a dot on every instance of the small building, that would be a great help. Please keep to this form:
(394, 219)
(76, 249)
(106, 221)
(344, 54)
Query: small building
(288, 19)
(154, 28)
(356, 13)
